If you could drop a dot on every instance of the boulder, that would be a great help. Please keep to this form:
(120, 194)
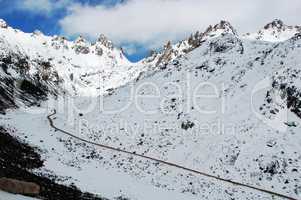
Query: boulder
(19, 187)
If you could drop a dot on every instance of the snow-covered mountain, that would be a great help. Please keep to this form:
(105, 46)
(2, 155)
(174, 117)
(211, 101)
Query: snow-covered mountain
(170, 52)
(60, 66)
(220, 103)
(276, 31)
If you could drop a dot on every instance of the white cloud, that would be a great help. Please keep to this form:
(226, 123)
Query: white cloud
(152, 22)
(42, 6)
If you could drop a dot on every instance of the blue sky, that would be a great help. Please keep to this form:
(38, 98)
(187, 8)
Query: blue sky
(141, 25)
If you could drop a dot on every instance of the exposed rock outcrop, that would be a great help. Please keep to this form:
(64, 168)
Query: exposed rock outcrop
(3, 24)
(19, 187)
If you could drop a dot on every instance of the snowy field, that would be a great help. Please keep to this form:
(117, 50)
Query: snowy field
(224, 134)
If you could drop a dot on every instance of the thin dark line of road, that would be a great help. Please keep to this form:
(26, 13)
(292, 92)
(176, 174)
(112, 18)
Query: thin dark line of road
(166, 162)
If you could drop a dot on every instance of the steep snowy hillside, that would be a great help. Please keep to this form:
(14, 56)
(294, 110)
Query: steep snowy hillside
(276, 31)
(229, 108)
(55, 65)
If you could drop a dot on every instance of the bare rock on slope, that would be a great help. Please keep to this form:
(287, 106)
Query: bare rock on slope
(19, 187)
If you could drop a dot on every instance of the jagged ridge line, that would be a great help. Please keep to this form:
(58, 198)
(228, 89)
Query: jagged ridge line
(167, 163)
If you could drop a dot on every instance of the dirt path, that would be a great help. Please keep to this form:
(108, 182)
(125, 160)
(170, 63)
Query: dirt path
(166, 162)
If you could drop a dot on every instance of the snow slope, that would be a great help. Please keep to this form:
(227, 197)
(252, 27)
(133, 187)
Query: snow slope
(7, 196)
(229, 107)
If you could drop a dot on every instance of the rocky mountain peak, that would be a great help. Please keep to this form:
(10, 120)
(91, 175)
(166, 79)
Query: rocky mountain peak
(58, 42)
(223, 26)
(277, 23)
(3, 24)
(168, 46)
(103, 40)
(275, 31)
(80, 39)
(81, 45)
(195, 40)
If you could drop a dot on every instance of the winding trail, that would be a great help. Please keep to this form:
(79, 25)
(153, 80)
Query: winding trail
(167, 163)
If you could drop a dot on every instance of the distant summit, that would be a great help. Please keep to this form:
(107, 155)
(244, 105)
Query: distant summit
(277, 23)
(275, 31)
(170, 51)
